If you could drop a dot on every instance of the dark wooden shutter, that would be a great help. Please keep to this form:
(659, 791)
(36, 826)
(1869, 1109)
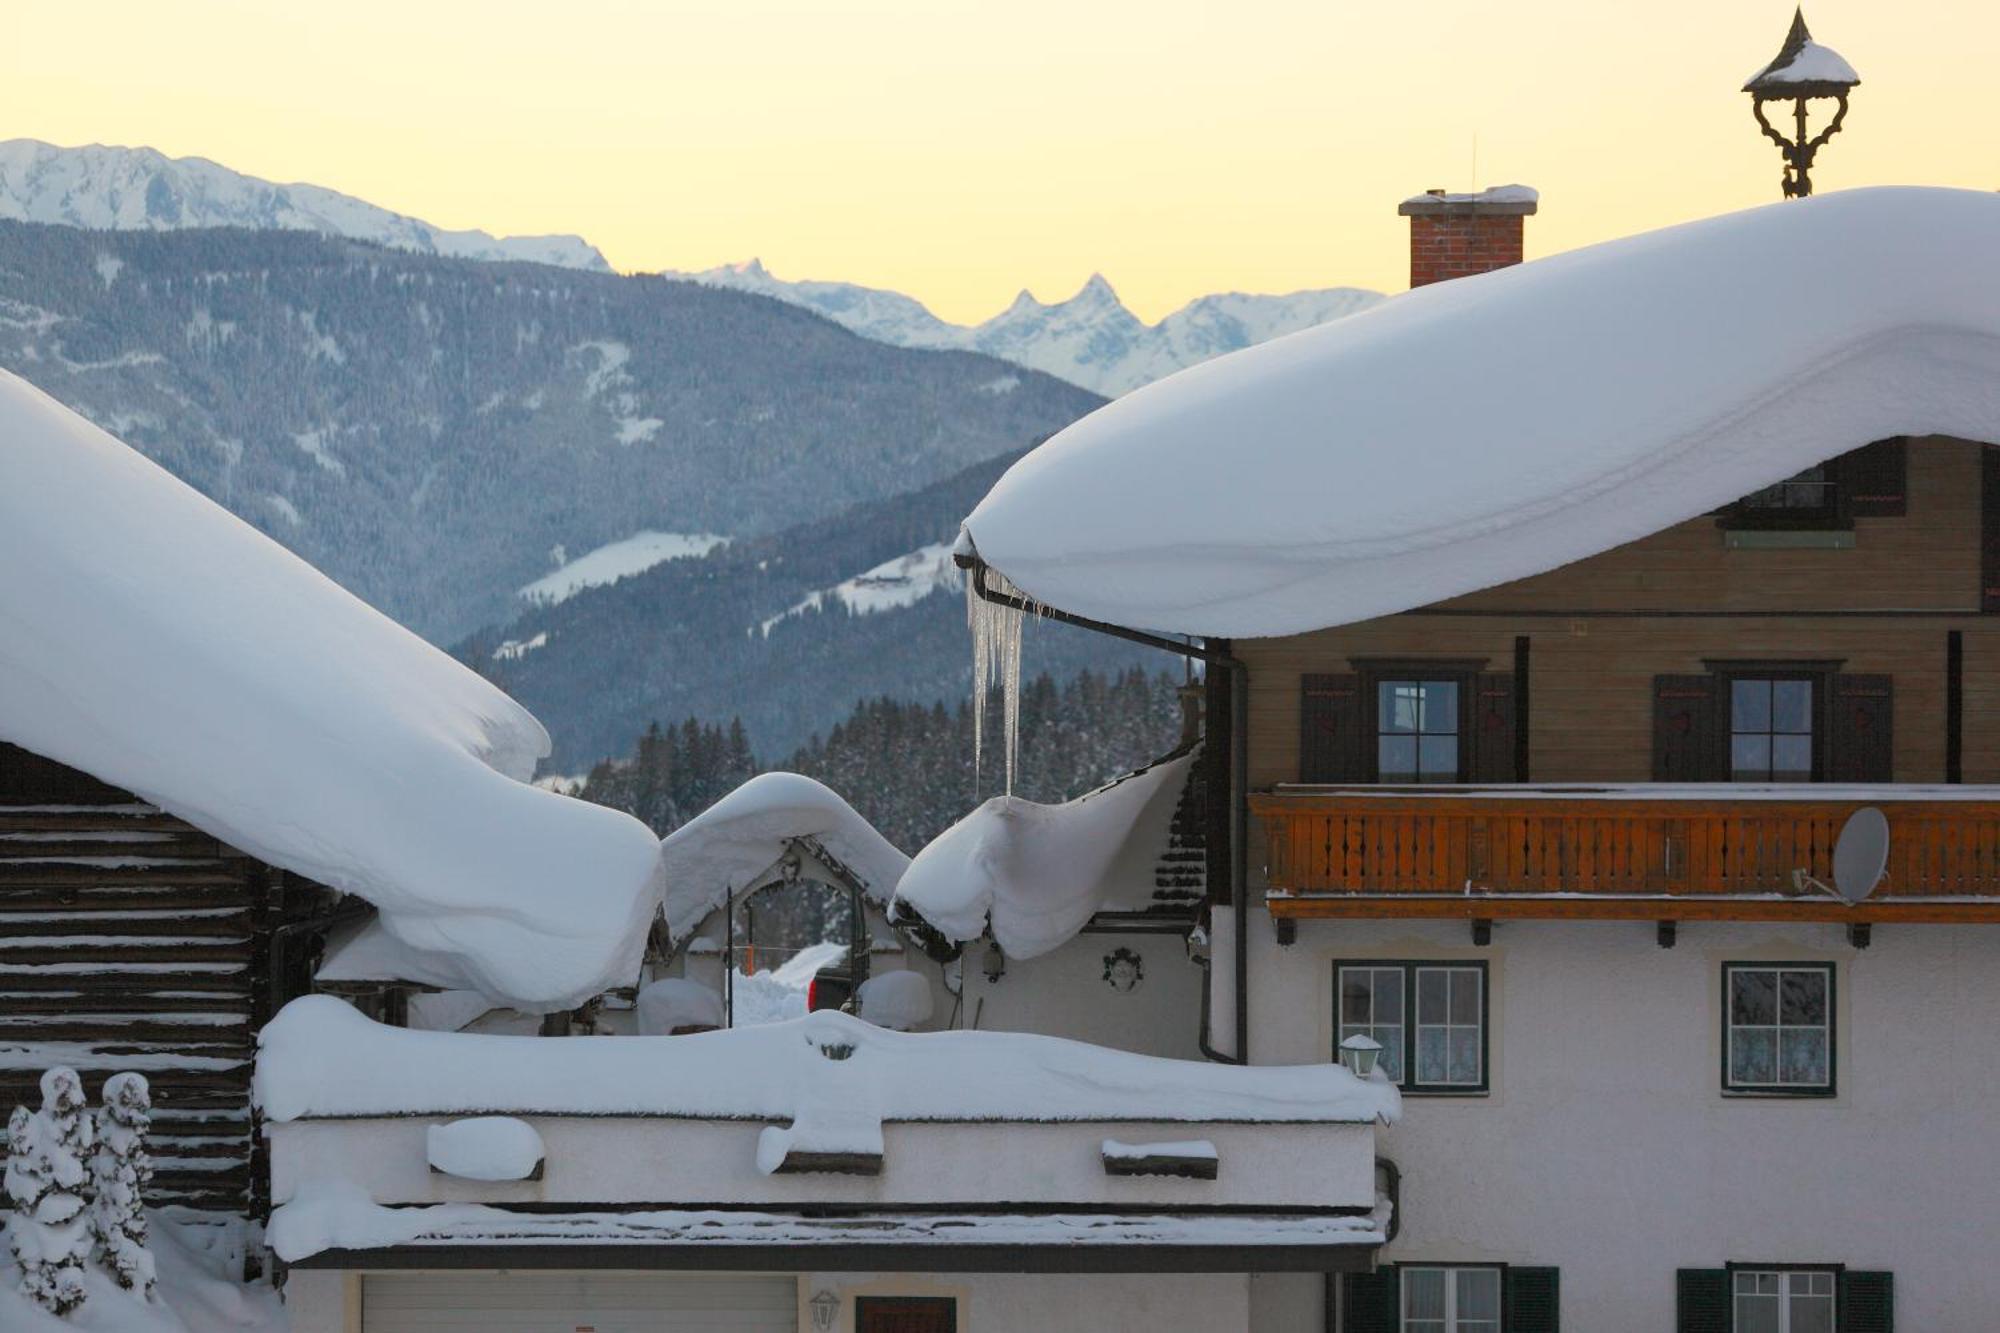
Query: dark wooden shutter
(1861, 720)
(1867, 1302)
(1701, 1301)
(1989, 529)
(1369, 1302)
(1493, 723)
(1534, 1300)
(1686, 744)
(1330, 740)
(1873, 479)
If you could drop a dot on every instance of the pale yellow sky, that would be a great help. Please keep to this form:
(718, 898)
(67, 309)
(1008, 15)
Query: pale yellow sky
(961, 151)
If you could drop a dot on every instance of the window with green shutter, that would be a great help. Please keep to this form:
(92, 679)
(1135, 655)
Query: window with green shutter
(1451, 1298)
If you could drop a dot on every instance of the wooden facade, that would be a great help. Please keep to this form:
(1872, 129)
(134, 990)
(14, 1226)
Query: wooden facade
(1617, 670)
(131, 940)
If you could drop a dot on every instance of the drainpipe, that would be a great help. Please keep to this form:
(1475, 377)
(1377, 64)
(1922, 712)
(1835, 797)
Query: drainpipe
(1216, 654)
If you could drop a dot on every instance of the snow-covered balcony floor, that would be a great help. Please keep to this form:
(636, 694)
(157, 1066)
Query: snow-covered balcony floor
(1636, 851)
(824, 1133)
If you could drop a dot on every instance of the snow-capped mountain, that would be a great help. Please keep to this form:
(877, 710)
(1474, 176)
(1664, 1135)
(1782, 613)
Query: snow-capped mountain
(140, 189)
(1090, 339)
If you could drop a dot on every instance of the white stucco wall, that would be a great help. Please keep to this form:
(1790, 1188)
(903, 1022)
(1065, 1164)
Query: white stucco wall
(1063, 993)
(1606, 1147)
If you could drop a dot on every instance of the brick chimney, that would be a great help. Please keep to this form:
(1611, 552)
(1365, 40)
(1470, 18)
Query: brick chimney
(1458, 235)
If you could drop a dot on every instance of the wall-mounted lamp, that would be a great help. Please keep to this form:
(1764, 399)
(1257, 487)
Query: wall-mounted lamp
(1359, 1054)
(995, 963)
(825, 1309)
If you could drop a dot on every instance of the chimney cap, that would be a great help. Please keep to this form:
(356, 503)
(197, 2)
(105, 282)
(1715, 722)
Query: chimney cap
(1496, 201)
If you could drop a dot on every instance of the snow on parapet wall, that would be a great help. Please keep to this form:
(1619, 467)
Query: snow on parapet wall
(1481, 430)
(159, 643)
(1035, 874)
(742, 837)
(320, 1058)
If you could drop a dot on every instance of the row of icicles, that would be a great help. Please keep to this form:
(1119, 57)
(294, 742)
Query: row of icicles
(996, 661)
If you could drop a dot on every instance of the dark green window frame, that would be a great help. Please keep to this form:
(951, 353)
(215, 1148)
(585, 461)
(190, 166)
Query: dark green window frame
(1831, 1087)
(1410, 968)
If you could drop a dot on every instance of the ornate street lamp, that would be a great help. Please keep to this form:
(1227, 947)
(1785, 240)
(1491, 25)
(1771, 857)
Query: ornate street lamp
(1803, 72)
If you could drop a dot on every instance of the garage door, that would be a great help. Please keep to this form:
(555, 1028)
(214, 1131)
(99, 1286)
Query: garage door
(568, 1302)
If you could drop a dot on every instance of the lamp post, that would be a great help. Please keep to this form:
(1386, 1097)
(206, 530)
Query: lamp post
(1359, 1054)
(1804, 71)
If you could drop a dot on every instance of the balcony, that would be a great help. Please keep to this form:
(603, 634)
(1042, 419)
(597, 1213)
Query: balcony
(1718, 852)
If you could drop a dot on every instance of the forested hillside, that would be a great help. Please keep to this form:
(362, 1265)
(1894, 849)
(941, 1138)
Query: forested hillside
(688, 637)
(908, 768)
(429, 431)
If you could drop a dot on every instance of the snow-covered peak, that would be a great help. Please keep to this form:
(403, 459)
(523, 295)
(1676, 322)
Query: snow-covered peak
(117, 188)
(1090, 339)
(1548, 424)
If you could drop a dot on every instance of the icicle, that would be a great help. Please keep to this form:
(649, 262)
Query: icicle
(996, 660)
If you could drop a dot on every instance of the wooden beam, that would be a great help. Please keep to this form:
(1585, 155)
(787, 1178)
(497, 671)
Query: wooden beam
(1580, 908)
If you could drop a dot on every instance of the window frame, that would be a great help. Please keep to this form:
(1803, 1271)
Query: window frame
(1819, 672)
(1403, 1270)
(866, 1305)
(1834, 514)
(1834, 1271)
(1373, 672)
(1409, 967)
(1831, 1088)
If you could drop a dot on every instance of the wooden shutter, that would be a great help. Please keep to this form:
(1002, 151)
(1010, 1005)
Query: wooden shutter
(1686, 745)
(1493, 723)
(1701, 1301)
(1867, 1302)
(1873, 479)
(1989, 529)
(1861, 722)
(1534, 1300)
(1369, 1302)
(1330, 740)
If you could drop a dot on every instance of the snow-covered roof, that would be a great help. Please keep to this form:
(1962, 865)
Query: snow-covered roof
(157, 642)
(1036, 874)
(738, 844)
(1485, 429)
(336, 1216)
(320, 1057)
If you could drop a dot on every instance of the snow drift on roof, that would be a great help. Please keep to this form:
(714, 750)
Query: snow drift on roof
(737, 843)
(1038, 873)
(159, 643)
(319, 1057)
(1481, 430)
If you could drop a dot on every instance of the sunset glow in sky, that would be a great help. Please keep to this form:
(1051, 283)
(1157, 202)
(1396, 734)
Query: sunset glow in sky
(962, 151)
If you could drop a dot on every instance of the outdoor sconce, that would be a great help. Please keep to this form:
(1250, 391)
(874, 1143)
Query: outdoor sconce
(995, 963)
(1359, 1054)
(825, 1307)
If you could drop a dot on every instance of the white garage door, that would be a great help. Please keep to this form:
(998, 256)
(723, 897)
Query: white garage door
(568, 1302)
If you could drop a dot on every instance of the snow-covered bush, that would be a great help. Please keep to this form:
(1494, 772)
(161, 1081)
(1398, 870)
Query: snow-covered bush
(50, 1229)
(121, 1171)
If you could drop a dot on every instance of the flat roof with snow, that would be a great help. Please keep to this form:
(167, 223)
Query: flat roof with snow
(1482, 430)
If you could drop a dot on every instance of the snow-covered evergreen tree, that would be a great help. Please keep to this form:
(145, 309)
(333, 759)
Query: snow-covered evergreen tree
(121, 1171)
(46, 1175)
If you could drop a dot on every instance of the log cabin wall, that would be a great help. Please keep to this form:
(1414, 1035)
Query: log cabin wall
(131, 940)
(1600, 631)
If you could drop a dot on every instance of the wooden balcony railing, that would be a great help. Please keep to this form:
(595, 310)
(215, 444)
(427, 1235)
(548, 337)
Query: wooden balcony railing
(1631, 852)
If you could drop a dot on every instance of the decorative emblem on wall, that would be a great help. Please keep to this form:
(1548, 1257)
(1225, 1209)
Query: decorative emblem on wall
(1123, 969)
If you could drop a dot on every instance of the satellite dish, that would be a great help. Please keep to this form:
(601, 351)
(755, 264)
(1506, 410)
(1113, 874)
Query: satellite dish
(1861, 854)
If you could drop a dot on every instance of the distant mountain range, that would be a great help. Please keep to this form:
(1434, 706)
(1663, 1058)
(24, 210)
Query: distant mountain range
(786, 631)
(140, 189)
(1090, 339)
(440, 435)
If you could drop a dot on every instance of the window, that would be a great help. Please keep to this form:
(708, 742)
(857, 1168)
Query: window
(1782, 1300)
(1809, 498)
(1416, 730)
(1429, 1017)
(1778, 1028)
(905, 1314)
(1771, 729)
(1451, 1300)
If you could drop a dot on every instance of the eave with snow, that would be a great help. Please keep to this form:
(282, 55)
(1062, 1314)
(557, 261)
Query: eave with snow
(823, 1143)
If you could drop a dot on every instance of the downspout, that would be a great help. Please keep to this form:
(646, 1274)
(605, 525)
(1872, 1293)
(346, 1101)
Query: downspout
(1216, 654)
